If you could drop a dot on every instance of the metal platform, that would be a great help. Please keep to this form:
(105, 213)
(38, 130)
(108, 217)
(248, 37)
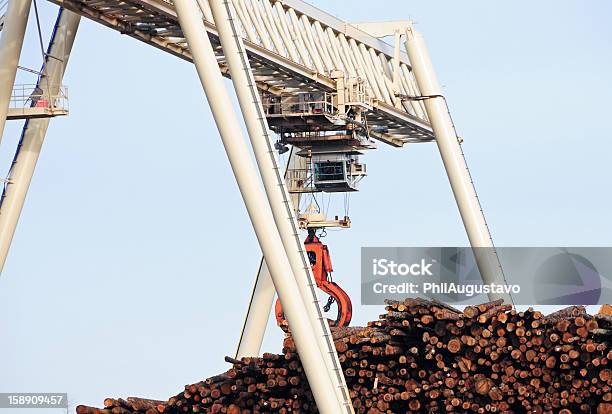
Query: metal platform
(31, 102)
(275, 68)
(33, 113)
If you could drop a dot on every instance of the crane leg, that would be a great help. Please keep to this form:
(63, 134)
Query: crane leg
(455, 163)
(11, 42)
(258, 207)
(256, 320)
(34, 131)
(262, 298)
(230, 35)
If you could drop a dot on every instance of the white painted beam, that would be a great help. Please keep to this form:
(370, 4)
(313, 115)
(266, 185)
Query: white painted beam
(257, 206)
(454, 163)
(11, 42)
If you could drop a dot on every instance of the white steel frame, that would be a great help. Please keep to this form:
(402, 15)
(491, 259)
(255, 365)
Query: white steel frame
(291, 67)
(277, 47)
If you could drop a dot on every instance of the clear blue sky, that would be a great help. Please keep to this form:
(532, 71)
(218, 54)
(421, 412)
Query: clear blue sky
(134, 258)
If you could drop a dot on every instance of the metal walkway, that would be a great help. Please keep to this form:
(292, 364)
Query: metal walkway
(292, 46)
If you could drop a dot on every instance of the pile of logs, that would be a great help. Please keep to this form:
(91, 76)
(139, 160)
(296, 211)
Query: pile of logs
(426, 357)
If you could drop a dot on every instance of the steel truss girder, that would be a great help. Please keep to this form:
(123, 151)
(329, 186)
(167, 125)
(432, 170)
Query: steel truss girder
(154, 22)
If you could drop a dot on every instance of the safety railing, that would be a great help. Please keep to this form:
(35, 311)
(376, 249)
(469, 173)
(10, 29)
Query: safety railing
(27, 97)
(357, 94)
(299, 104)
(299, 180)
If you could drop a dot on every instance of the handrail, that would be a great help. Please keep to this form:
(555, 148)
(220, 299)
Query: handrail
(300, 180)
(299, 103)
(32, 96)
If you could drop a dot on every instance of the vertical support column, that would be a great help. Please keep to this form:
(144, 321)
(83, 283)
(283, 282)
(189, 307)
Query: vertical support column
(396, 60)
(34, 132)
(16, 20)
(274, 184)
(295, 163)
(454, 163)
(258, 313)
(262, 298)
(338, 76)
(257, 206)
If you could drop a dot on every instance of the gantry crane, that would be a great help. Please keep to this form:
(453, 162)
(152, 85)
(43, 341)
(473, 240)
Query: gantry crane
(328, 89)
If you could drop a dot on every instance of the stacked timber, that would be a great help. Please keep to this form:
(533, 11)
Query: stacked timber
(426, 357)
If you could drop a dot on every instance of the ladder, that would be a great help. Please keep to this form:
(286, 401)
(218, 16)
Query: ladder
(330, 350)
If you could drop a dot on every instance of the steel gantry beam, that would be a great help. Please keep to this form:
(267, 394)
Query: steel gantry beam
(34, 130)
(291, 46)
